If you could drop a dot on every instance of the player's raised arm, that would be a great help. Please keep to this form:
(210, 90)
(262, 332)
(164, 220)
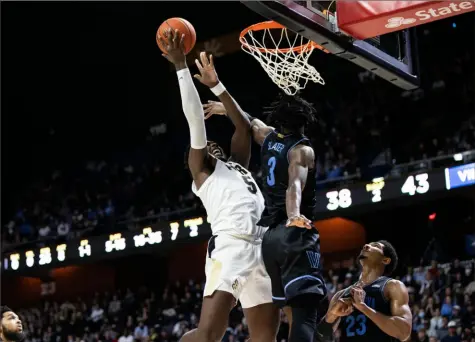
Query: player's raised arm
(398, 325)
(191, 103)
(241, 140)
(259, 129)
(301, 159)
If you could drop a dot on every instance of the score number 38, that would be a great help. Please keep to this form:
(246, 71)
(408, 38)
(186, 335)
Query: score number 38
(339, 199)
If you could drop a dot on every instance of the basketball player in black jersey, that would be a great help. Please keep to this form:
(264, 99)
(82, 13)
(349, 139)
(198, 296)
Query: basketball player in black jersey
(376, 307)
(291, 246)
(11, 329)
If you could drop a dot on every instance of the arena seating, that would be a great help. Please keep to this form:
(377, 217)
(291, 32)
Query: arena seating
(441, 299)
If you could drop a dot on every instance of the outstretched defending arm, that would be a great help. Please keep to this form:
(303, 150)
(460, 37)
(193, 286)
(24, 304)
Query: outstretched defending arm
(241, 140)
(259, 129)
(191, 104)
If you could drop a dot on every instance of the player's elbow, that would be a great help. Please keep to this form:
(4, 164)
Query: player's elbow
(404, 331)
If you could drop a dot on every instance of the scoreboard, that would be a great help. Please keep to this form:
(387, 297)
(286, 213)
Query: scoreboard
(329, 203)
(97, 247)
(380, 190)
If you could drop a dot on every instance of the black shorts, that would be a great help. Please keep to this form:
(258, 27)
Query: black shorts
(292, 259)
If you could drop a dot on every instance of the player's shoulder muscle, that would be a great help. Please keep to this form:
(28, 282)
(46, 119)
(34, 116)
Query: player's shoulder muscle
(303, 155)
(395, 289)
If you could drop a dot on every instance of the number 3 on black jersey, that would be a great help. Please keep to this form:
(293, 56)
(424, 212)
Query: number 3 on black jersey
(271, 176)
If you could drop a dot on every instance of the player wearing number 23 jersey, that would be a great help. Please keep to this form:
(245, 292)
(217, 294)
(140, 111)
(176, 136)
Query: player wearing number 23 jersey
(376, 308)
(356, 327)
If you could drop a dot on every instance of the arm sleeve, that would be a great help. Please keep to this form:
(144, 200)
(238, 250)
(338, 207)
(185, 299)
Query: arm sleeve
(193, 109)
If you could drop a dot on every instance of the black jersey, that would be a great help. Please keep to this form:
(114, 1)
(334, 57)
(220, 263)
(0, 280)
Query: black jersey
(275, 168)
(359, 328)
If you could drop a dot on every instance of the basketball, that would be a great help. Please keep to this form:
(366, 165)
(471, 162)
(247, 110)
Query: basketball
(184, 27)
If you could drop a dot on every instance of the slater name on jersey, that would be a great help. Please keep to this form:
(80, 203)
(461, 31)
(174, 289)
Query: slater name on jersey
(276, 146)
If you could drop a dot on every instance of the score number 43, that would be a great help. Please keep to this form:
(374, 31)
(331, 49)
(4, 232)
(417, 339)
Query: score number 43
(416, 184)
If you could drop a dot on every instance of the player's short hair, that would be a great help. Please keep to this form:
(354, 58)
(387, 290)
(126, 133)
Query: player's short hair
(290, 112)
(389, 252)
(4, 309)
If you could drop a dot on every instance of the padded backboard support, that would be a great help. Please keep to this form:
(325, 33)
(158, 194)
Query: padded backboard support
(303, 20)
(366, 19)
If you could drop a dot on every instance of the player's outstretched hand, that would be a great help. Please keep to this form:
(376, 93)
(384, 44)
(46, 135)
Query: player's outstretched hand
(299, 221)
(174, 46)
(208, 74)
(341, 307)
(213, 108)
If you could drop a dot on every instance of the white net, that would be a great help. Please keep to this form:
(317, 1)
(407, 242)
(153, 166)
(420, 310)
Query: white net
(287, 66)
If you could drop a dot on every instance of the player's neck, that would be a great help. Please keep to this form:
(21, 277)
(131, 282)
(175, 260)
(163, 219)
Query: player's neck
(370, 274)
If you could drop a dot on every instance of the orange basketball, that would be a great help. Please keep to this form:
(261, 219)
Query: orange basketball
(183, 26)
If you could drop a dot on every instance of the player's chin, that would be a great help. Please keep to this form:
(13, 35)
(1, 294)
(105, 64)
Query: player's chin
(219, 155)
(362, 257)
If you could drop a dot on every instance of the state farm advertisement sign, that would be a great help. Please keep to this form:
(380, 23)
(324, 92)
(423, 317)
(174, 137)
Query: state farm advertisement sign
(367, 19)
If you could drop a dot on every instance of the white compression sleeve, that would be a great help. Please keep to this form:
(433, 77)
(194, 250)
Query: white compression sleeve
(191, 103)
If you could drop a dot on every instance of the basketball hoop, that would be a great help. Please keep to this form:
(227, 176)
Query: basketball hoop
(287, 66)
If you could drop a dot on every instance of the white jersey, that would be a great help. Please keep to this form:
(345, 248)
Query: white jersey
(232, 199)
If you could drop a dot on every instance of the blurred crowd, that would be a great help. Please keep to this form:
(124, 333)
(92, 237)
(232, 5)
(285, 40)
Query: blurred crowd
(441, 299)
(355, 129)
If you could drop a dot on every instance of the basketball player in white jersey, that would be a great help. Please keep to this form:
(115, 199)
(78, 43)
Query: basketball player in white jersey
(234, 203)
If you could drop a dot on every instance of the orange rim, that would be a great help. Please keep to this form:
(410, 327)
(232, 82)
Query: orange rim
(265, 25)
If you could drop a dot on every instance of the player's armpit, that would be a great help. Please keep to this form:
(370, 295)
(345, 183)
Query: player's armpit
(260, 131)
(301, 159)
(399, 324)
(199, 165)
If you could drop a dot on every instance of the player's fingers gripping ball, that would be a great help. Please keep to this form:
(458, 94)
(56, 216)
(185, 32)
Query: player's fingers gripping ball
(183, 27)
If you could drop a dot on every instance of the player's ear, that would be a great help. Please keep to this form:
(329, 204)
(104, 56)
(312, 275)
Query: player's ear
(386, 261)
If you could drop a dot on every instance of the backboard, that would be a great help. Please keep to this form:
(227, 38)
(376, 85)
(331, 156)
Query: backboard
(378, 36)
